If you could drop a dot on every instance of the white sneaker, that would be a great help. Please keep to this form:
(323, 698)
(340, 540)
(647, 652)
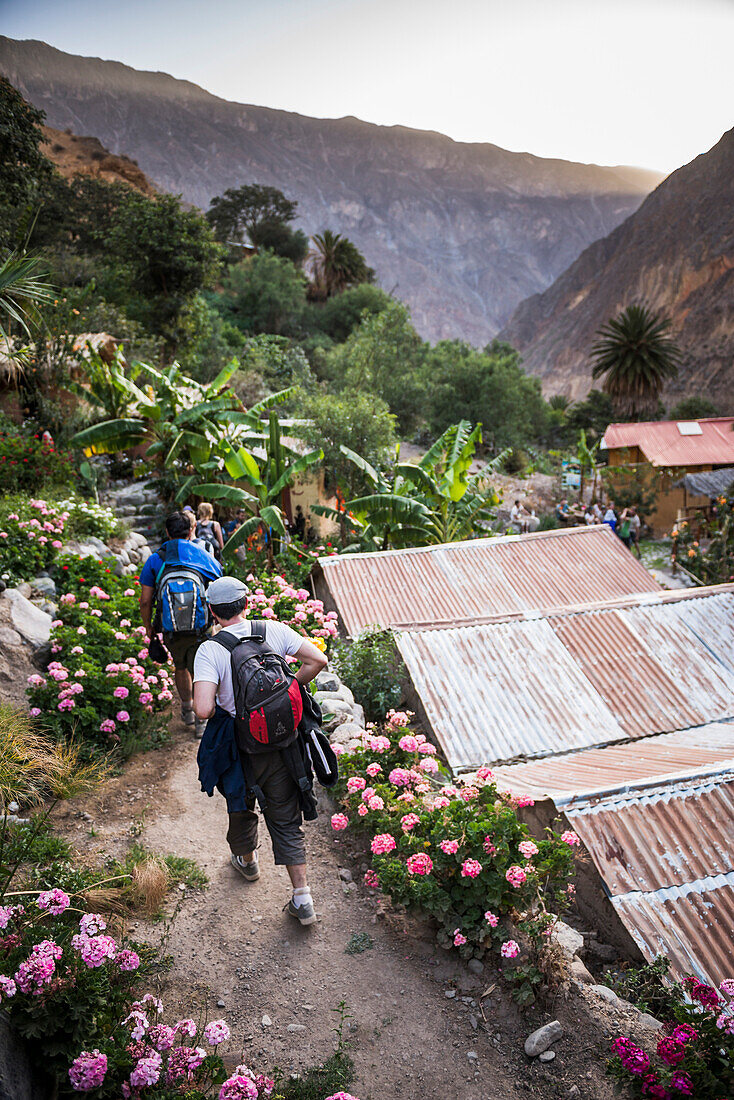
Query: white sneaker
(304, 912)
(249, 871)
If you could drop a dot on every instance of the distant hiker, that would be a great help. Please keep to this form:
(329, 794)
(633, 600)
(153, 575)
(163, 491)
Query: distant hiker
(625, 528)
(635, 524)
(205, 544)
(175, 580)
(208, 528)
(562, 511)
(245, 657)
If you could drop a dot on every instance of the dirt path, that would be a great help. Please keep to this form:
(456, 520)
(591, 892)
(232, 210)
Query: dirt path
(416, 1028)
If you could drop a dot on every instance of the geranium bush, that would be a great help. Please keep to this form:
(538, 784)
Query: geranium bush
(455, 851)
(273, 597)
(695, 1051)
(101, 687)
(32, 532)
(29, 462)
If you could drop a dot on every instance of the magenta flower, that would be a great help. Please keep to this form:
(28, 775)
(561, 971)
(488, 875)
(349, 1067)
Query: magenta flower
(528, 849)
(470, 868)
(122, 716)
(671, 1051)
(681, 1082)
(339, 821)
(88, 1070)
(370, 879)
(515, 876)
(684, 1033)
(491, 919)
(510, 949)
(571, 838)
(238, 1087)
(216, 1032)
(459, 940)
(56, 901)
(128, 960)
(121, 692)
(450, 847)
(409, 821)
(373, 769)
(382, 844)
(356, 783)
(419, 864)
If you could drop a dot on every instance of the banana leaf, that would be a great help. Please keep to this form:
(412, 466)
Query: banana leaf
(241, 464)
(111, 435)
(294, 469)
(223, 377)
(243, 532)
(228, 494)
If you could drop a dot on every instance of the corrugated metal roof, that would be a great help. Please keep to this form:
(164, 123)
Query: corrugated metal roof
(663, 443)
(661, 837)
(493, 576)
(552, 684)
(691, 924)
(667, 757)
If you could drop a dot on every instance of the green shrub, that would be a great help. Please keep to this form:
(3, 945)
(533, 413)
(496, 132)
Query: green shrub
(647, 986)
(32, 531)
(548, 523)
(370, 666)
(28, 464)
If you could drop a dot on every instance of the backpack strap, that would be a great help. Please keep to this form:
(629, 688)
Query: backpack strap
(257, 630)
(251, 787)
(230, 642)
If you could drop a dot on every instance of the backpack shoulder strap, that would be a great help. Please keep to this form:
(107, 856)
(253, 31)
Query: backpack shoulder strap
(257, 630)
(229, 641)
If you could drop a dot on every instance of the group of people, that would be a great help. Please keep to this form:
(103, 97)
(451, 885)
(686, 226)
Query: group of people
(192, 612)
(626, 525)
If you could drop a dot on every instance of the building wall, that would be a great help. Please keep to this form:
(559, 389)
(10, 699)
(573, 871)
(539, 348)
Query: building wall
(669, 500)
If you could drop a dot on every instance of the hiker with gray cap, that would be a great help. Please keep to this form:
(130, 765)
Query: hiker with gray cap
(244, 686)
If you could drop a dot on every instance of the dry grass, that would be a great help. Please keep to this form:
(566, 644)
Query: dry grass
(150, 884)
(34, 768)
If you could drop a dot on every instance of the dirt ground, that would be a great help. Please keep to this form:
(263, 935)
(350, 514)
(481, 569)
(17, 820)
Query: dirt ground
(417, 1026)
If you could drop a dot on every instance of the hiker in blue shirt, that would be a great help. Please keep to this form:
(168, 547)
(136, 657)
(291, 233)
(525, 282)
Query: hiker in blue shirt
(176, 578)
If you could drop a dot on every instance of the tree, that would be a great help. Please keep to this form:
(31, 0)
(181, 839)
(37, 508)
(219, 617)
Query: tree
(261, 215)
(338, 317)
(336, 263)
(463, 383)
(594, 414)
(164, 254)
(694, 408)
(23, 288)
(263, 294)
(636, 357)
(361, 421)
(22, 164)
(383, 356)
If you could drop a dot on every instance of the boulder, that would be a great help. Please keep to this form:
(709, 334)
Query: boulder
(334, 706)
(579, 971)
(358, 712)
(31, 623)
(123, 556)
(145, 552)
(81, 549)
(44, 585)
(134, 556)
(567, 938)
(345, 731)
(543, 1038)
(607, 995)
(327, 681)
(9, 637)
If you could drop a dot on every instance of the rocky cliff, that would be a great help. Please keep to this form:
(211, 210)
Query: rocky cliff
(461, 232)
(87, 156)
(677, 254)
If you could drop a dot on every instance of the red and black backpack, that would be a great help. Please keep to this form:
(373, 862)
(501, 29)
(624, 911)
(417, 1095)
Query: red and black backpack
(267, 696)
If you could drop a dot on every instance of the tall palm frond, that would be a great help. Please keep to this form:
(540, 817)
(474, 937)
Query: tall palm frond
(636, 355)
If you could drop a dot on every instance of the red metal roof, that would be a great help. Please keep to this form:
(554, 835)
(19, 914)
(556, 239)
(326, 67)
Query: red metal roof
(459, 581)
(663, 443)
(667, 757)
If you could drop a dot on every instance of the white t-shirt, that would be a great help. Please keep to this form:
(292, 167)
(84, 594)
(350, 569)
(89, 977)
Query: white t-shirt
(213, 662)
(515, 513)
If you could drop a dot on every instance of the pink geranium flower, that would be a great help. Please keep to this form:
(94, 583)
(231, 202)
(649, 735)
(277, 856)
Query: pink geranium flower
(420, 864)
(470, 868)
(339, 821)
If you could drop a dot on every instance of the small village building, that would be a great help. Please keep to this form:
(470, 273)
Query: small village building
(663, 452)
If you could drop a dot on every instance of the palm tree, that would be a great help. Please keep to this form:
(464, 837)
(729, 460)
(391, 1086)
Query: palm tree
(22, 290)
(336, 263)
(637, 357)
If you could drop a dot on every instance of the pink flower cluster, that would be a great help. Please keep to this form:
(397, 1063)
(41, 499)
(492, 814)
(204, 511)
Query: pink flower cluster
(515, 876)
(510, 949)
(470, 868)
(382, 844)
(450, 847)
(88, 1071)
(94, 950)
(339, 821)
(294, 607)
(55, 901)
(419, 864)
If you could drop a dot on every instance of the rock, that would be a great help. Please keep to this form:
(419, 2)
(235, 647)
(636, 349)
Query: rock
(145, 552)
(345, 731)
(81, 549)
(567, 938)
(450, 993)
(353, 746)
(474, 1022)
(44, 585)
(544, 1037)
(603, 951)
(266, 1021)
(345, 874)
(30, 622)
(134, 556)
(476, 966)
(650, 1021)
(49, 607)
(579, 971)
(24, 588)
(293, 1028)
(124, 557)
(606, 994)
(472, 1055)
(574, 1091)
(358, 712)
(221, 1004)
(8, 637)
(547, 1056)
(332, 703)
(328, 682)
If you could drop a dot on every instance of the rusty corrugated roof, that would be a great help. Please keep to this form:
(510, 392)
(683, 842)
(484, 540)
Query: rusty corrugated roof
(660, 837)
(483, 577)
(691, 924)
(566, 681)
(668, 757)
(664, 443)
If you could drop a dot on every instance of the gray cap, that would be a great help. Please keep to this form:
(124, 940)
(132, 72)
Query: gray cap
(226, 590)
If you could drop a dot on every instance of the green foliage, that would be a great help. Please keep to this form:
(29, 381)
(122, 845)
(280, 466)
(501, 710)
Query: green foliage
(32, 842)
(276, 360)
(636, 356)
(358, 943)
(635, 483)
(23, 288)
(27, 463)
(360, 421)
(318, 1082)
(370, 667)
(263, 294)
(339, 315)
(489, 386)
(711, 558)
(22, 164)
(382, 356)
(593, 415)
(694, 408)
(648, 986)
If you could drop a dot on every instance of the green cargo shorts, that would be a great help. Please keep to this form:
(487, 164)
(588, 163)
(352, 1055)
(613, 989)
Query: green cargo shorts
(182, 648)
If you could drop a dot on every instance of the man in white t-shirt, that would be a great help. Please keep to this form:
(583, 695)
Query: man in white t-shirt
(213, 687)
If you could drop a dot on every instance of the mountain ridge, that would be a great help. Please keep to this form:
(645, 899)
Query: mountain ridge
(462, 231)
(676, 254)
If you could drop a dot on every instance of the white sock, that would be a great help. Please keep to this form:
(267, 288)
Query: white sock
(302, 895)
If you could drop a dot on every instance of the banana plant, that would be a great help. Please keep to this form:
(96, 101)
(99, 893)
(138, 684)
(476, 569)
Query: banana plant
(423, 503)
(266, 477)
(586, 457)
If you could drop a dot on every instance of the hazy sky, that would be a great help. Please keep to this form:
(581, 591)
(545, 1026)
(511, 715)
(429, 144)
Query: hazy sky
(646, 82)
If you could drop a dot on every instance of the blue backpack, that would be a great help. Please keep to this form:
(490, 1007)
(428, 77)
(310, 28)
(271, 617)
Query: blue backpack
(181, 596)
